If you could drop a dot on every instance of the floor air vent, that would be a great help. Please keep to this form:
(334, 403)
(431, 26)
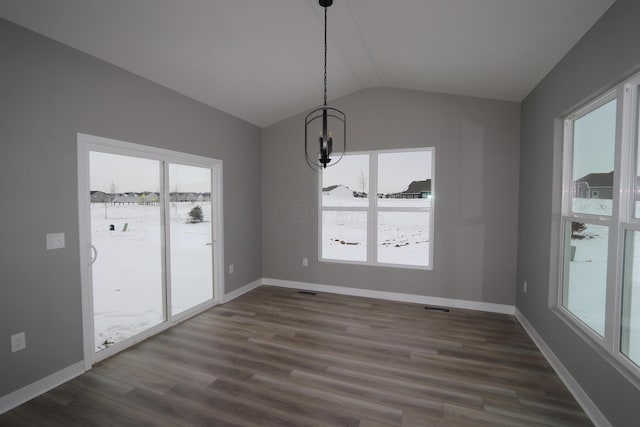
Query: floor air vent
(307, 292)
(444, 310)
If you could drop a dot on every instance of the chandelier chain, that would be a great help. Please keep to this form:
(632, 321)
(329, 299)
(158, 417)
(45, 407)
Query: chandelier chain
(325, 56)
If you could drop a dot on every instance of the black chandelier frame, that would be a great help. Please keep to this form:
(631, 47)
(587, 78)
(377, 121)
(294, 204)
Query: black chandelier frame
(325, 113)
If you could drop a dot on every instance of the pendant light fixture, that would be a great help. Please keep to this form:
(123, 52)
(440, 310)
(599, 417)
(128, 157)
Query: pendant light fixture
(330, 117)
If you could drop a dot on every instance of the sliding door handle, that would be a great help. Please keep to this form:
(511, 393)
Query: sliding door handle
(94, 254)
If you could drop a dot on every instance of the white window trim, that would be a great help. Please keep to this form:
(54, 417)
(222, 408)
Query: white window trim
(621, 220)
(372, 210)
(86, 144)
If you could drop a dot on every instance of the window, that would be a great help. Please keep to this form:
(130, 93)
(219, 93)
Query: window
(599, 284)
(591, 135)
(376, 208)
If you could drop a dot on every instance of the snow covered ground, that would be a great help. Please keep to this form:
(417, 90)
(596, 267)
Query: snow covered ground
(344, 235)
(592, 206)
(127, 275)
(586, 295)
(588, 277)
(403, 237)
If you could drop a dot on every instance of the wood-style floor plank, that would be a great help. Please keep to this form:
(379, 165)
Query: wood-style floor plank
(276, 357)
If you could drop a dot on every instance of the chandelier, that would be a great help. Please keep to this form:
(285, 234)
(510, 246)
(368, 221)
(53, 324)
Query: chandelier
(321, 159)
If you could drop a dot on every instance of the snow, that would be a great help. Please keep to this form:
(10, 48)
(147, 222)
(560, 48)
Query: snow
(344, 235)
(586, 293)
(127, 275)
(403, 236)
(341, 196)
(602, 207)
(588, 277)
(405, 203)
(338, 192)
(191, 257)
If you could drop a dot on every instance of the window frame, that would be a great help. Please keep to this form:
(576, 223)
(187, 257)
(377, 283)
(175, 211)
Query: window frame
(372, 209)
(621, 221)
(568, 215)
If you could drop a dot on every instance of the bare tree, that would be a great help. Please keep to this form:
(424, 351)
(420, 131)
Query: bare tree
(114, 191)
(362, 182)
(175, 199)
(110, 197)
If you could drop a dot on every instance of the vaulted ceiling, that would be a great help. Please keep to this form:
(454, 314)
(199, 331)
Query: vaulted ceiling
(262, 60)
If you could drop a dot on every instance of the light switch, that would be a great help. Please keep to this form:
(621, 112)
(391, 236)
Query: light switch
(55, 241)
(18, 342)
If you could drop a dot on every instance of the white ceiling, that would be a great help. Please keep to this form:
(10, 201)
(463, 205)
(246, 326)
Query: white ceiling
(262, 60)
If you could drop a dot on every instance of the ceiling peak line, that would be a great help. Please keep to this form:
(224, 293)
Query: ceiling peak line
(336, 45)
(366, 48)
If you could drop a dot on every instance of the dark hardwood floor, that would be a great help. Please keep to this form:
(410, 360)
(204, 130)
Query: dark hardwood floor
(276, 357)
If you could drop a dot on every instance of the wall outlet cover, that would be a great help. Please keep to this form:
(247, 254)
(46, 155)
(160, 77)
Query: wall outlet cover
(55, 241)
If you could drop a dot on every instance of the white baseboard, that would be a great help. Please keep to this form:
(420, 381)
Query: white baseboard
(393, 296)
(242, 290)
(39, 387)
(578, 393)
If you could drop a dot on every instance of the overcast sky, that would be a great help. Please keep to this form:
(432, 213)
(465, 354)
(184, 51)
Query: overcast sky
(133, 174)
(594, 141)
(395, 170)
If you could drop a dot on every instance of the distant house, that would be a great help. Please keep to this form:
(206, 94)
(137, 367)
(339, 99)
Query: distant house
(594, 186)
(149, 198)
(341, 191)
(189, 197)
(178, 197)
(126, 199)
(416, 190)
(100, 197)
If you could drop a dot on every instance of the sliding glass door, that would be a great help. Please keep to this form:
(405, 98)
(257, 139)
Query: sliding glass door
(150, 233)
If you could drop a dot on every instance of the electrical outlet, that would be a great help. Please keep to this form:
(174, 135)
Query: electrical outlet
(55, 241)
(18, 342)
(231, 269)
(305, 262)
(524, 286)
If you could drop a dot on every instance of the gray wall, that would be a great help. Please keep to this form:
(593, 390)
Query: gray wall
(608, 53)
(476, 184)
(49, 93)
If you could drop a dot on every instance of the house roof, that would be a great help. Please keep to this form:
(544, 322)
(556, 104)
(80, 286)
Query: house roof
(417, 187)
(335, 187)
(261, 61)
(598, 179)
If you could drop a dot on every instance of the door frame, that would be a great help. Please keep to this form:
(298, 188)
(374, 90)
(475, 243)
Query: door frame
(87, 143)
